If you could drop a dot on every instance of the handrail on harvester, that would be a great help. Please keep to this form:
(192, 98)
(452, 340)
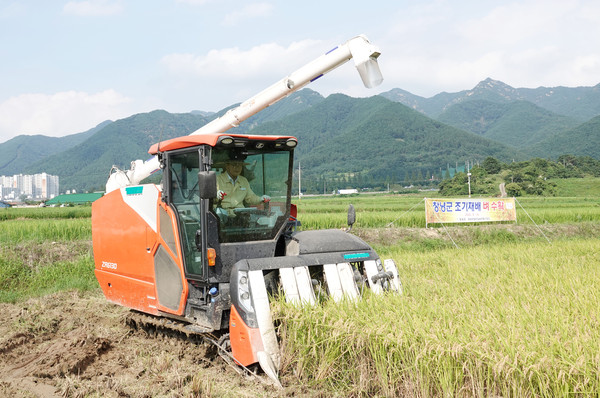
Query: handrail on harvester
(359, 48)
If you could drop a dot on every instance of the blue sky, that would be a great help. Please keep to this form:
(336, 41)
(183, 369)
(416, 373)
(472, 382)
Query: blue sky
(66, 66)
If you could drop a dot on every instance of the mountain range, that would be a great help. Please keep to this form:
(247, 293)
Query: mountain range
(580, 103)
(390, 136)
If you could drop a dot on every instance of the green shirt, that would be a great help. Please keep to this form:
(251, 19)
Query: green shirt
(239, 194)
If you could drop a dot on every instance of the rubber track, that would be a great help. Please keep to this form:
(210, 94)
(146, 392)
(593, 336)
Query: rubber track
(166, 326)
(172, 328)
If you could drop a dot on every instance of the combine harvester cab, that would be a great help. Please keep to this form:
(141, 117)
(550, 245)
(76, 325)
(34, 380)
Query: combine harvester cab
(189, 254)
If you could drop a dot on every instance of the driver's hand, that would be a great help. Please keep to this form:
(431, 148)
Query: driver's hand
(265, 198)
(221, 194)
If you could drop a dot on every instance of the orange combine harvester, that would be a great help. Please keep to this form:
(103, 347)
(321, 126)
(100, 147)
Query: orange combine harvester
(206, 255)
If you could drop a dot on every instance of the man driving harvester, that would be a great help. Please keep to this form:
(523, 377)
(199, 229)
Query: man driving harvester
(233, 188)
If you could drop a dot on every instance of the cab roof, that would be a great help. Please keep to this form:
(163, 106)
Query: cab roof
(188, 141)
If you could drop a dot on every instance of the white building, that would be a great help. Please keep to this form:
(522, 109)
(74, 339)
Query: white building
(36, 187)
(346, 191)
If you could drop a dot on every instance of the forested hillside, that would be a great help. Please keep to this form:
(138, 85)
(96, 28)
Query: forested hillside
(86, 166)
(372, 140)
(583, 140)
(296, 102)
(518, 124)
(20, 152)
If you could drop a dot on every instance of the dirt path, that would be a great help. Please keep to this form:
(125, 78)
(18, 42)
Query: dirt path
(77, 344)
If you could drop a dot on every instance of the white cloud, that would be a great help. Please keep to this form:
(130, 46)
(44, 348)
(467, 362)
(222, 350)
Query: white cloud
(524, 43)
(587, 65)
(250, 11)
(59, 114)
(223, 77)
(265, 60)
(518, 23)
(92, 8)
(195, 2)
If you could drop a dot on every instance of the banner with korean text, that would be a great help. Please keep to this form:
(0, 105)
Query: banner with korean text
(469, 210)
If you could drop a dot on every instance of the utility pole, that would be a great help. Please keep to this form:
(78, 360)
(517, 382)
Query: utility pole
(469, 178)
(469, 181)
(299, 181)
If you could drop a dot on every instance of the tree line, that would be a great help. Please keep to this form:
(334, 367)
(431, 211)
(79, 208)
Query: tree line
(531, 177)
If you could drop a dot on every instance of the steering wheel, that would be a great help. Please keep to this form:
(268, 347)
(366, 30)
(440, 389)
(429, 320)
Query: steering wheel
(248, 210)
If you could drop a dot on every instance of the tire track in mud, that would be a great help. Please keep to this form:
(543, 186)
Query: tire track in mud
(61, 356)
(73, 344)
(29, 363)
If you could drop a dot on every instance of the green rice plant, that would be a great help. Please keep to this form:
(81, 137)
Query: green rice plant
(12, 231)
(45, 212)
(376, 211)
(509, 319)
(558, 215)
(371, 211)
(364, 219)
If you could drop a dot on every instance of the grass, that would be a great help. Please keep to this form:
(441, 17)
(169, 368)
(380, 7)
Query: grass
(577, 187)
(44, 250)
(19, 282)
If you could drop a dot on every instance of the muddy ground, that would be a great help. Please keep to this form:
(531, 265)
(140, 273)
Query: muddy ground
(75, 344)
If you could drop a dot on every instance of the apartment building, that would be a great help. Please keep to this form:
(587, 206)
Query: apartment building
(40, 186)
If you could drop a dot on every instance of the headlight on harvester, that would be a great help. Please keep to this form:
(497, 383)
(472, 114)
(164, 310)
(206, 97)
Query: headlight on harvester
(225, 140)
(291, 143)
(244, 292)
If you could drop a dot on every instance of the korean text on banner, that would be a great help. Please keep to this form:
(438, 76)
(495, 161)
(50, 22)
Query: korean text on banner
(469, 210)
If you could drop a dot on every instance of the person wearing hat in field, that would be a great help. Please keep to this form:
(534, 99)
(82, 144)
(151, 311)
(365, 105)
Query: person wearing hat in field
(233, 188)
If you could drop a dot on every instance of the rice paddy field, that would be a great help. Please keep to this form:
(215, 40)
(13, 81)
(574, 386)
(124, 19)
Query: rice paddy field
(487, 310)
(502, 310)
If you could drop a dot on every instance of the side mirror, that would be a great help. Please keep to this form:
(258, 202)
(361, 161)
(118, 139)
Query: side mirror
(351, 217)
(207, 184)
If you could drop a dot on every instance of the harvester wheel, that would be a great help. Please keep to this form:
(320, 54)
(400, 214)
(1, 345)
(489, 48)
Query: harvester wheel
(224, 348)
